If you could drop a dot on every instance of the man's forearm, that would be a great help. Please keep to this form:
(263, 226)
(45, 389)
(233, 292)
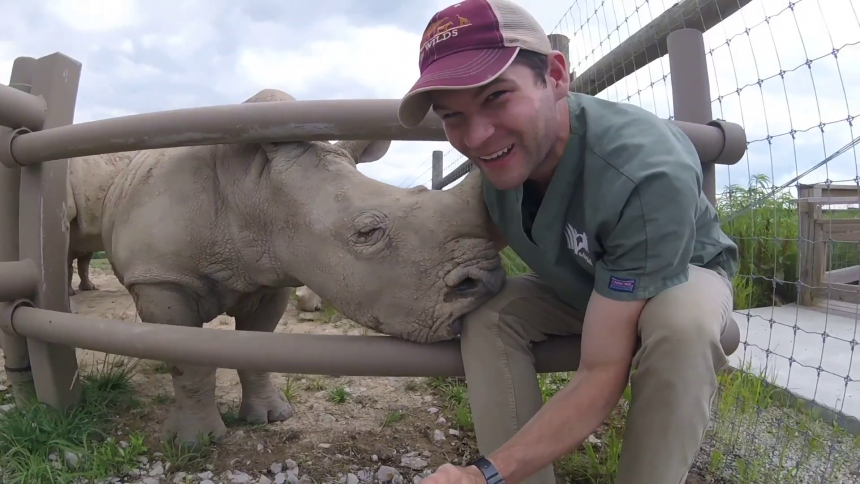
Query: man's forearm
(562, 424)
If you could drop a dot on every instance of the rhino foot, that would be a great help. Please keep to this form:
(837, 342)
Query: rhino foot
(194, 417)
(191, 428)
(87, 286)
(261, 402)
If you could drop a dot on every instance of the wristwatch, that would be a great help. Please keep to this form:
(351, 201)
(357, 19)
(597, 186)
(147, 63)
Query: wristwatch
(491, 474)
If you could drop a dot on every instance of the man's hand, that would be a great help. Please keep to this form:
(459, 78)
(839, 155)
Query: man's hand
(451, 474)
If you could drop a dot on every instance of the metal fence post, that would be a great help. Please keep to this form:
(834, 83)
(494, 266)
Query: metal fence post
(436, 175)
(15, 352)
(561, 43)
(691, 89)
(44, 232)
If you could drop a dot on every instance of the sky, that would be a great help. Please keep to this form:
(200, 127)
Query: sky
(143, 56)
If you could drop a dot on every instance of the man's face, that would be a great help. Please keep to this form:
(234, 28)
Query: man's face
(508, 127)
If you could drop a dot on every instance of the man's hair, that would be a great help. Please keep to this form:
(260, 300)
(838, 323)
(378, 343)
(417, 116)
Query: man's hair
(536, 62)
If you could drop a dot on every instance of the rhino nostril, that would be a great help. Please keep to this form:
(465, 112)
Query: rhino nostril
(467, 286)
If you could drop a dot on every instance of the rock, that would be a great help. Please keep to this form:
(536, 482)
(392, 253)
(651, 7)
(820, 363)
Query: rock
(306, 479)
(438, 435)
(240, 478)
(291, 464)
(374, 458)
(7, 407)
(264, 480)
(276, 468)
(179, 478)
(292, 478)
(71, 459)
(206, 481)
(327, 419)
(417, 479)
(365, 475)
(324, 446)
(433, 410)
(593, 440)
(414, 463)
(2, 388)
(150, 480)
(280, 478)
(387, 474)
(351, 478)
(454, 432)
(205, 475)
(441, 421)
(259, 447)
(157, 469)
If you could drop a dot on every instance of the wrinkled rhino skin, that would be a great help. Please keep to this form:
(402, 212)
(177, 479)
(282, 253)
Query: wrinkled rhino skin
(89, 178)
(196, 232)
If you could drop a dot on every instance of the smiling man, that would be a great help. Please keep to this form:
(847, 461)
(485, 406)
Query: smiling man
(604, 202)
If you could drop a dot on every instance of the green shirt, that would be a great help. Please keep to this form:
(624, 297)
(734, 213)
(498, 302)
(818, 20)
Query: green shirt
(624, 214)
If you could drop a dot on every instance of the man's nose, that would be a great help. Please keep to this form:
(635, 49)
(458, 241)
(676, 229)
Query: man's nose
(477, 131)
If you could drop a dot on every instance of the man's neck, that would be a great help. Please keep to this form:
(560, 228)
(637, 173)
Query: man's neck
(542, 176)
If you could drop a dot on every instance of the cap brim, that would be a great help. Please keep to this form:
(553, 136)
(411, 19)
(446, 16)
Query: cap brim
(462, 70)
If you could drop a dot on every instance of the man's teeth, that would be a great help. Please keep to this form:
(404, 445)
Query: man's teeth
(497, 154)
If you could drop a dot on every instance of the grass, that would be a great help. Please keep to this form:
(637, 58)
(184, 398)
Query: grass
(40, 444)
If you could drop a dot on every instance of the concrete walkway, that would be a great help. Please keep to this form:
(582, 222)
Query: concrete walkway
(796, 332)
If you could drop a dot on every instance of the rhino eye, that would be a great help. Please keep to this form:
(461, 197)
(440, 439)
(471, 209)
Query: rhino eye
(367, 235)
(369, 232)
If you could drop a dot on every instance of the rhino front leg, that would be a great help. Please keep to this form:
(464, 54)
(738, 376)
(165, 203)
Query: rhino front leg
(194, 416)
(84, 272)
(261, 401)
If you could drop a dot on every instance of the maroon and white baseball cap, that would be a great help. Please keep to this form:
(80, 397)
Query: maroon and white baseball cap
(468, 44)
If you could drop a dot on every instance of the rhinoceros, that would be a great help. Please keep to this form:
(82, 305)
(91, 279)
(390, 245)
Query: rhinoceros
(87, 184)
(196, 232)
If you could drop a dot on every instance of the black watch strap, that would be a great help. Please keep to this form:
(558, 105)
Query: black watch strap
(491, 474)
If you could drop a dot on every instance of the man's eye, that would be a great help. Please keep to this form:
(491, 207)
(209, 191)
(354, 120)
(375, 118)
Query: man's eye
(496, 95)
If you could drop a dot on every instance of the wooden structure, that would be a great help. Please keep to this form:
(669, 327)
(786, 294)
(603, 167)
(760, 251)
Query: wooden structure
(818, 229)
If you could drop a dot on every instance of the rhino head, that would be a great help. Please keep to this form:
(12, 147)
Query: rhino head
(407, 262)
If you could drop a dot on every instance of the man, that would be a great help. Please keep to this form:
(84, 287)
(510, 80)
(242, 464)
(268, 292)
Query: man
(604, 202)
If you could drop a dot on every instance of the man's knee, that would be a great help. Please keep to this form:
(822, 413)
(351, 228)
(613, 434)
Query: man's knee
(491, 316)
(690, 319)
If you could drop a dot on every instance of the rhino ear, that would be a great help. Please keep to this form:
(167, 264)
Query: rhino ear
(365, 151)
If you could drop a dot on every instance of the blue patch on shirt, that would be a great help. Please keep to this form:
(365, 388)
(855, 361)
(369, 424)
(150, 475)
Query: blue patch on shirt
(622, 285)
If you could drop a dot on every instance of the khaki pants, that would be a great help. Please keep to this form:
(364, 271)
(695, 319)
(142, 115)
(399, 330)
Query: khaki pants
(676, 362)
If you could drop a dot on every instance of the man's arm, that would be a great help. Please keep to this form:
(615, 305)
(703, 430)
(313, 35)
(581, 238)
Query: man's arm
(646, 253)
(568, 418)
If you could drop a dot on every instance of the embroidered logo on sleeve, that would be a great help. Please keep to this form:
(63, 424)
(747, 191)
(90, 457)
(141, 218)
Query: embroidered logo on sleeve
(622, 285)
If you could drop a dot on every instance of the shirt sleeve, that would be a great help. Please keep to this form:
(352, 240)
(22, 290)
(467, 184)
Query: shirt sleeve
(649, 249)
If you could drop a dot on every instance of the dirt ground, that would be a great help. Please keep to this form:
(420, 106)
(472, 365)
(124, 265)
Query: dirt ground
(326, 440)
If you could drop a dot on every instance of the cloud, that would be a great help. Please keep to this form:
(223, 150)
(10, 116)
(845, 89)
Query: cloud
(145, 56)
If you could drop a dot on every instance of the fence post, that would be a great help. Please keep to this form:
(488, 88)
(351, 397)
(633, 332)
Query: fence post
(691, 90)
(436, 175)
(561, 43)
(44, 232)
(15, 352)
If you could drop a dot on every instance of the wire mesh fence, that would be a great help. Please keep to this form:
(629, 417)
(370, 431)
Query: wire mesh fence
(789, 73)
